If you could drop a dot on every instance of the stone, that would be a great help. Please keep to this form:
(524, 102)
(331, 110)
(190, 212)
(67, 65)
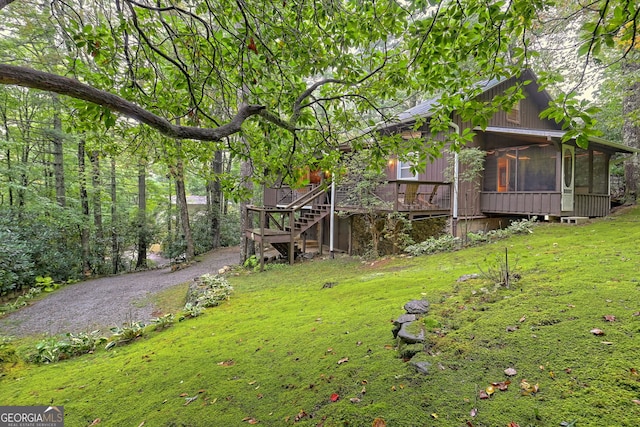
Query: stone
(408, 337)
(421, 367)
(397, 324)
(417, 306)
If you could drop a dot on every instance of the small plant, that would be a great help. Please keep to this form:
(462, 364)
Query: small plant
(191, 310)
(163, 322)
(53, 349)
(501, 272)
(251, 263)
(46, 284)
(217, 290)
(127, 333)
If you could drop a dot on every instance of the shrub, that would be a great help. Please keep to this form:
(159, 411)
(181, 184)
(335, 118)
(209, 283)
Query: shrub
(52, 349)
(216, 290)
(433, 245)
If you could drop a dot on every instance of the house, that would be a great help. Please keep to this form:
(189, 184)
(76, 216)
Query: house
(528, 170)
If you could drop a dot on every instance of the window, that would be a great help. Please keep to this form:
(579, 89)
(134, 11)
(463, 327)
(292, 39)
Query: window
(513, 116)
(526, 168)
(405, 170)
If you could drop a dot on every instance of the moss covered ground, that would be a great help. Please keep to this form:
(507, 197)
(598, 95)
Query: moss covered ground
(287, 350)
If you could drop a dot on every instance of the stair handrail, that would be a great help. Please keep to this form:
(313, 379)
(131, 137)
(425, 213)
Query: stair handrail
(307, 197)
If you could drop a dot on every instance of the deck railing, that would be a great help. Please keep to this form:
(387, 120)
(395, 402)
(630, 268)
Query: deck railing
(401, 196)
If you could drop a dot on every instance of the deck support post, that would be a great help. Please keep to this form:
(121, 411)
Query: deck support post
(262, 223)
(292, 254)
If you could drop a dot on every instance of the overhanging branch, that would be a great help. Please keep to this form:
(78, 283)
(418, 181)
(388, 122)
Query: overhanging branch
(27, 77)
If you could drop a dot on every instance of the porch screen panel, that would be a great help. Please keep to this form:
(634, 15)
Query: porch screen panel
(536, 168)
(582, 172)
(526, 168)
(490, 182)
(600, 173)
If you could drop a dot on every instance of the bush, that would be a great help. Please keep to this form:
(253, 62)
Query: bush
(216, 291)
(433, 245)
(448, 243)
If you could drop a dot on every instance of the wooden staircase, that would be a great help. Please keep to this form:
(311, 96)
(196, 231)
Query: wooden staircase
(283, 226)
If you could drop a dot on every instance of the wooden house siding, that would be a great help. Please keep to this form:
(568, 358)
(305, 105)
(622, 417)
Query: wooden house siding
(521, 203)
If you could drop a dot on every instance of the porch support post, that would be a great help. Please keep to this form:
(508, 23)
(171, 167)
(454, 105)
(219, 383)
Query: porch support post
(456, 172)
(262, 223)
(292, 254)
(332, 219)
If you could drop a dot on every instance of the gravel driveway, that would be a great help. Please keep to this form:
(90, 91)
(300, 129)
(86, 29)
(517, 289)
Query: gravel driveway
(107, 301)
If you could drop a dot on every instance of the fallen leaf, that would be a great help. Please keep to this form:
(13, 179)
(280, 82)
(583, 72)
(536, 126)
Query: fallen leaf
(510, 372)
(610, 318)
(343, 360)
(393, 388)
(502, 386)
(636, 401)
(202, 391)
(473, 412)
(512, 424)
(95, 422)
(568, 370)
(483, 395)
(597, 331)
(552, 375)
(379, 422)
(522, 319)
(490, 390)
(434, 416)
(634, 371)
(512, 328)
(329, 350)
(229, 362)
(469, 424)
(141, 424)
(637, 313)
(335, 397)
(606, 343)
(250, 420)
(184, 395)
(354, 400)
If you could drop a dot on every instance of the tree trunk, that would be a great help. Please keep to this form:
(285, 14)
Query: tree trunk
(215, 193)
(96, 201)
(84, 202)
(631, 128)
(247, 246)
(142, 216)
(115, 247)
(181, 202)
(58, 154)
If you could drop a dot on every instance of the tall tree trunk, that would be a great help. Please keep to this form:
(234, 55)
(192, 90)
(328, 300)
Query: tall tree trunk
(631, 128)
(142, 215)
(58, 154)
(247, 246)
(115, 247)
(181, 202)
(215, 195)
(84, 202)
(96, 201)
(7, 135)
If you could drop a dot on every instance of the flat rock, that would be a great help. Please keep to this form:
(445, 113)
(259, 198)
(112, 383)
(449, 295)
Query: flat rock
(421, 367)
(417, 306)
(408, 337)
(405, 318)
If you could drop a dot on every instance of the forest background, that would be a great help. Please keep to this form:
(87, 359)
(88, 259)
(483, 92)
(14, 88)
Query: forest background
(141, 104)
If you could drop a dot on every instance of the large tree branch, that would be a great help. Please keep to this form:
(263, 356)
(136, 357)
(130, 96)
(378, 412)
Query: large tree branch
(27, 77)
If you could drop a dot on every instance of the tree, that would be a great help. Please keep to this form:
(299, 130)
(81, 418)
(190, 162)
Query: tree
(305, 95)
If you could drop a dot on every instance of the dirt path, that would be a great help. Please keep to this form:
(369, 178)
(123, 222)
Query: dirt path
(107, 301)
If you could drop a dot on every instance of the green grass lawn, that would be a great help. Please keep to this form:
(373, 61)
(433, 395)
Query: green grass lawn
(277, 351)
